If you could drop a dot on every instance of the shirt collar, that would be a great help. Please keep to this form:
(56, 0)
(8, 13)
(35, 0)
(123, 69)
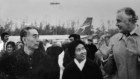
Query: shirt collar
(80, 65)
(135, 31)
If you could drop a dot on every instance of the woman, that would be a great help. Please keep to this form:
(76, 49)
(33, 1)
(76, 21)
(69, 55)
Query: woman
(6, 67)
(10, 47)
(81, 67)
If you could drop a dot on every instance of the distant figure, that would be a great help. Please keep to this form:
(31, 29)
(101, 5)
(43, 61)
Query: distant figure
(5, 61)
(19, 45)
(46, 44)
(81, 67)
(74, 37)
(4, 38)
(10, 47)
(92, 48)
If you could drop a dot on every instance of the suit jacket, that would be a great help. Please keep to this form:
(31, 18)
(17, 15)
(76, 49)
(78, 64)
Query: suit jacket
(29, 66)
(90, 71)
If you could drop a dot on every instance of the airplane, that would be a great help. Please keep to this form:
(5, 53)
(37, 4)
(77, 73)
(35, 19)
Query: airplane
(54, 3)
(83, 31)
(86, 27)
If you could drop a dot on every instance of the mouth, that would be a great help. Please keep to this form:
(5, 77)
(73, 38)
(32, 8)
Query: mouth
(83, 55)
(36, 44)
(119, 27)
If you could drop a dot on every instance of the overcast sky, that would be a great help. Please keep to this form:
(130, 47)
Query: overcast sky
(41, 10)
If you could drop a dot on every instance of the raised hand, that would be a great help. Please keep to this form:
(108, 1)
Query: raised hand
(106, 50)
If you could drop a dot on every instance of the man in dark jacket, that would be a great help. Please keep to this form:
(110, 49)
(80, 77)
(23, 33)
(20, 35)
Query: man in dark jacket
(28, 62)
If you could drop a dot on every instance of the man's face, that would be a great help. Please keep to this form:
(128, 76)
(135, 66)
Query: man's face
(123, 22)
(32, 39)
(54, 43)
(19, 45)
(6, 38)
(80, 52)
(90, 42)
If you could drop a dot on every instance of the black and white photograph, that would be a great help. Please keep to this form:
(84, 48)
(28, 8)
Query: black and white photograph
(69, 39)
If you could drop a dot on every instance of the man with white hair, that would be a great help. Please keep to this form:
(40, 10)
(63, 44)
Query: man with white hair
(124, 46)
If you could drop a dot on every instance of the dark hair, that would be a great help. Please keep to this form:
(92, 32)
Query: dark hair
(4, 34)
(75, 36)
(73, 45)
(12, 44)
(130, 12)
(90, 40)
(19, 42)
(24, 31)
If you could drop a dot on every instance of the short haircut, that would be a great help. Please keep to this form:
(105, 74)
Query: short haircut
(75, 36)
(90, 40)
(4, 34)
(130, 12)
(24, 31)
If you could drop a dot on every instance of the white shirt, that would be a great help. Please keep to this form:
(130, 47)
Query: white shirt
(80, 65)
(134, 30)
(60, 60)
(47, 45)
(1, 45)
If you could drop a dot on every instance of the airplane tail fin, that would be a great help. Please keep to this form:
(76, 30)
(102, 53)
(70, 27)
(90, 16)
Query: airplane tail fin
(85, 29)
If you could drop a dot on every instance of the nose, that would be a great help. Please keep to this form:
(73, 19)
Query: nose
(37, 39)
(83, 51)
(117, 24)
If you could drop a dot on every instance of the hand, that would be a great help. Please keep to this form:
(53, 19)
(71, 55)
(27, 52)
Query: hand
(106, 50)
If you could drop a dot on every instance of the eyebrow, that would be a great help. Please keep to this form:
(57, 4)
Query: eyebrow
(118, 20)
(35, 34)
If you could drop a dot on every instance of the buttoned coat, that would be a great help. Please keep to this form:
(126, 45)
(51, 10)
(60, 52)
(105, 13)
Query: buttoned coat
(126, 51)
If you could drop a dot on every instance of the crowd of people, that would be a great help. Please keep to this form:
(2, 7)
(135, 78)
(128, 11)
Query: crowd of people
(115, 57)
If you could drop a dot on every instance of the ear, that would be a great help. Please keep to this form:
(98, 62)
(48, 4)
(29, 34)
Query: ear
(131, 20)
(24, 40)
(136, 17)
